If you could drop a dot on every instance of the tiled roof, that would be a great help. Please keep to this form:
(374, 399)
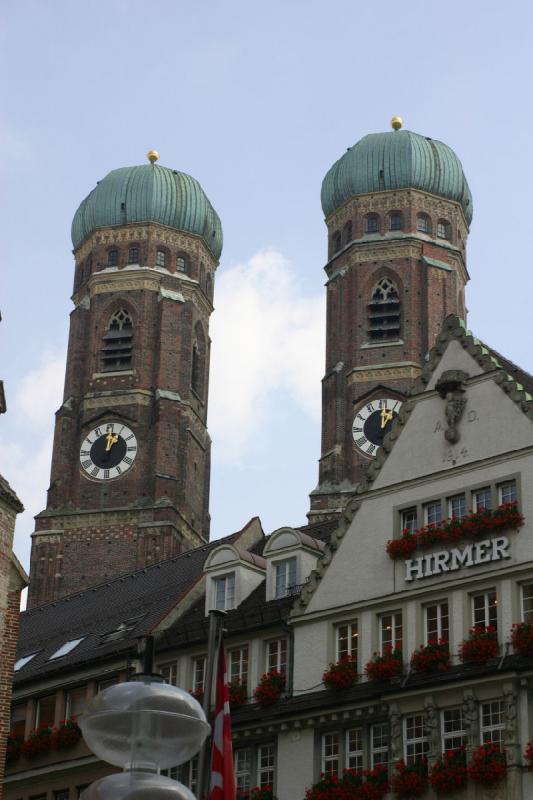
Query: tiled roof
(7, 493)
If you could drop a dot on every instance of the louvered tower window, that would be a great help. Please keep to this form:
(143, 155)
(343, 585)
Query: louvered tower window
(384, 312)
(118, 342)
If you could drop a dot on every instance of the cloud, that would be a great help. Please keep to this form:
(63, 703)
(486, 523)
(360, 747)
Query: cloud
(268, 337)
(39, 392)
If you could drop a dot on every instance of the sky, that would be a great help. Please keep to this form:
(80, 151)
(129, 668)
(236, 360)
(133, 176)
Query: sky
(256, 100)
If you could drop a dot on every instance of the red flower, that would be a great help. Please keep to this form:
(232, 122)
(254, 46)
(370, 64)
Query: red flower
(481, 645)
(39, 741)
(386, 666)
(449, 773)
(432, 657)
(488, 766)
(67, 734)
(410, 780)
(522, 638)
(528, 756)
(353, 785)
(270, 688)
(342, 674)
(238, 693)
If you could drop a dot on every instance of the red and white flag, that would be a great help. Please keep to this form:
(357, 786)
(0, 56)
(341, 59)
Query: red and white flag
(222, 774)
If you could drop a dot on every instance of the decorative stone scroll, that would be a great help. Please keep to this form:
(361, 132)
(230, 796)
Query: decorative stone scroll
(451, 387)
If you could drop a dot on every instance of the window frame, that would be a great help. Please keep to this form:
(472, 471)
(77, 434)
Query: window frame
(112, 257)
(172, 668)
(286, 564)
(404, 523)
(372, 223)
(256, 768)
(352, 640)
(487, 606)
(228, 582)
(423, 223)
(382, 749)
(442, 631)
(197, 683)
(394, 626)
(133, 259)
(437, 503)
(461, 496)
(68, 700)
(243, 670)
(395, 215)
(523, 613)
(282, 651)
(511, 483)
(415, 740)
(494, 727)
(457, 733)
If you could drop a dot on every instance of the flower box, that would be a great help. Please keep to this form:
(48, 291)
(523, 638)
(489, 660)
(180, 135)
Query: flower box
(449, 774)
(257, 793)
(13, 748)
(342, 674)
(270, 688)
(238, 693)
(198, 694)
(481, 645)
(476, 525)
(67, 734)
(410, 780)
(522, 638)
(488, 766)
(385, 667)
(38, 742)
(353, 785)
(432, 657)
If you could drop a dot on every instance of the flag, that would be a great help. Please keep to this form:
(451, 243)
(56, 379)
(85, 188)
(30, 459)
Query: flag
(222, 774)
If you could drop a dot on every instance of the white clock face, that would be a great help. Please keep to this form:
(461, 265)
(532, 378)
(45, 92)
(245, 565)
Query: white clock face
(108, 451)
(372, 422)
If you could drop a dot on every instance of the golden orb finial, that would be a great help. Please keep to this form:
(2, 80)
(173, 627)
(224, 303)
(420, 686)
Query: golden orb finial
(396, 123)
(152, 156)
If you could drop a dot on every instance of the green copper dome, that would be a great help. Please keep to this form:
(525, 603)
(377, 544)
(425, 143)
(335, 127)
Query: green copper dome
(396, 160)
(149, 193)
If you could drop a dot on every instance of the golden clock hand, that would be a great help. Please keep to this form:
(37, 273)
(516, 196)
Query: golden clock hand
(386, 416)
(111, 440)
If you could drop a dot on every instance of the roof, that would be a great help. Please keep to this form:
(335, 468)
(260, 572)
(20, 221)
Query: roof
(396, 160)
(149, 193)
(7, 494)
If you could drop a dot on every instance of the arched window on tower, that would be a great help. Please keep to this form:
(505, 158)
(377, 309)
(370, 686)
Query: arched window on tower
(198, 361)
(384, 312)
(209, 285)
(112, 258)
(118, 342)
(423, 224)
(395, 221)
(160, 258)
(337, 241)
(444, 229)
(347, 232)
(372, 223)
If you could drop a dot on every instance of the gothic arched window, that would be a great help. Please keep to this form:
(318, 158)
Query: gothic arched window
(118, 342)
(347, 232)
(384, 312)
(198, 361)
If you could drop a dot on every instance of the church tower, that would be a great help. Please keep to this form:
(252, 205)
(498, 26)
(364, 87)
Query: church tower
(398, 209)
(131, 457)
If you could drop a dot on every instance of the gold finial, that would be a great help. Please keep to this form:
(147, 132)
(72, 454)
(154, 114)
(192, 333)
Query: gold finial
(396, 123)
(152, 156)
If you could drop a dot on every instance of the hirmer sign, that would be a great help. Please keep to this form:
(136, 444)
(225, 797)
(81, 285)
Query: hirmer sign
(450, 560)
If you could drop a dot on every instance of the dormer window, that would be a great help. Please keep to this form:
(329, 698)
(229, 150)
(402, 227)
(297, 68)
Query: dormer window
(224, 592)
(285, 576)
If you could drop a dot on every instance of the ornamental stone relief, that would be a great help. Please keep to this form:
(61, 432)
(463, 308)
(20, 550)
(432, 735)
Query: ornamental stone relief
(381, 373)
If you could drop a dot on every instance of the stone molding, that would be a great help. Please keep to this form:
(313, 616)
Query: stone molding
(409, 370)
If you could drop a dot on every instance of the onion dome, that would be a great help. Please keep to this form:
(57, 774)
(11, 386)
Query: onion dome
(149, 193)
(399, 159)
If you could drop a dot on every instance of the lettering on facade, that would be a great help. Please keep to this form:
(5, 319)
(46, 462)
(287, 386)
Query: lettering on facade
(457, 558)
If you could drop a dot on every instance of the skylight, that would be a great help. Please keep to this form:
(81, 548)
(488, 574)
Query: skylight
(21, 662)
(66, 648)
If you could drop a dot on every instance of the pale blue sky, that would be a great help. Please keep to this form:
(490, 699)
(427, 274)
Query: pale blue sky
(256, 100)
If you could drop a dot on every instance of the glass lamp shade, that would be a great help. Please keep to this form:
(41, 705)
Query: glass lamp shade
(144, 724)
(136, 786)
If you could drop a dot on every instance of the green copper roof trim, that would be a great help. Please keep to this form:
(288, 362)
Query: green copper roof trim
(149, 193)
(396, 160)
(434, 262)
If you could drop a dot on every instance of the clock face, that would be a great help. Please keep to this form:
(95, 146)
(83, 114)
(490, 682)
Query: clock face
(372, 422)
(108, 451)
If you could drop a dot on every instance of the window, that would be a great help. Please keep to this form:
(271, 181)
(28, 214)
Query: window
(507, 492)
(285, 576)
(169, 672)
(133, 255)
(409, 520)
(372, 223)
(423, 223)
(379, 743)
(198, 674)
(18, 719)
(118, 342)
(243, 769)
(160, 258)
(330, 754)
(454, 733)
(354, 749)
(198, 361)
(416, 740)
(225, 592)
(112, 258)
(347, 639)
(391, 631)
(347, 232)
(395, 221)
(76, 701)
(482, 498)
(527, 602)
(186, 773)
(21, 662)
(485, 609)
(266, 765)
(255, 766)
(337, 241)
(384, 312)
(457, 506)
(45, 711)
(62, 794)
(238, 665)
(437, 625)
(66, 648)
(180, 264)
(209, 285)
(443, 229)
(432, 512)
(492, 722)
(277, 655)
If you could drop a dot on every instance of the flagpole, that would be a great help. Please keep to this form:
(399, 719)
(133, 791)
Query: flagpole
(213, 643)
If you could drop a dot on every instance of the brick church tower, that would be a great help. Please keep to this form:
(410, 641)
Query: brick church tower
(398, 210)
(131, 458)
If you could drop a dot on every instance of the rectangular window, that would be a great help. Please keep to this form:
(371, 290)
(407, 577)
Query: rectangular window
(347, 638)
(186, 773)
(133, 255)
(266, 765)
(485, 609)
(437, 626)
(285, 576)
(492, 722)
(379, 743)
(45, 711)
(527, 602)
(330, 753)
(180, 264)
(18, 719)
(482, 498)
(354, 749)
(238, 665)
(409, 520)
(198, 674)
(416, 740)
(62, 794)
(391, 631)
(432, 512)
(76, 702)
(277, 655)
(160, 258)
(169, 672)
(225, 592)
(243, 769)
(507, 492)
(453, 729)
(457, 506)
